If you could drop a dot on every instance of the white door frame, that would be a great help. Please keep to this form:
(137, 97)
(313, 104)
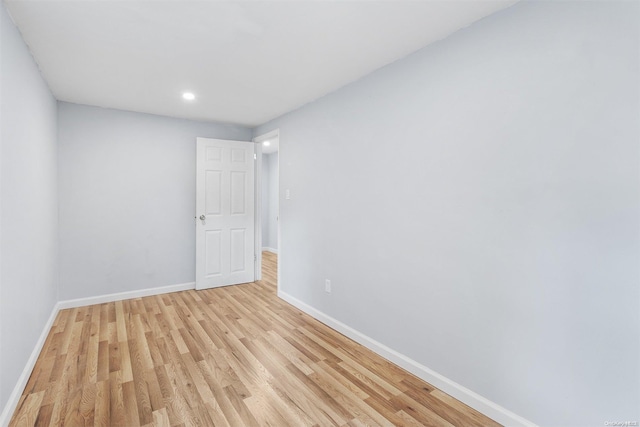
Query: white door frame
(258, 203)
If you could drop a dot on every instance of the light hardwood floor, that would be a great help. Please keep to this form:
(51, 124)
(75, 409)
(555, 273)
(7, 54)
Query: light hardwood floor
(232, 356)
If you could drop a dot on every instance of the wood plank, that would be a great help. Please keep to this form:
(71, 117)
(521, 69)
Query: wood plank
(102, 408)
(117, 413)
(28, 412)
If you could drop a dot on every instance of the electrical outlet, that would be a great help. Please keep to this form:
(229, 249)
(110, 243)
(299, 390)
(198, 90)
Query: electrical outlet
(327, 286)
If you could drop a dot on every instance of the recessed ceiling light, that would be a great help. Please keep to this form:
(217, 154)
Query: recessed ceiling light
(266, 143)
(189, 96)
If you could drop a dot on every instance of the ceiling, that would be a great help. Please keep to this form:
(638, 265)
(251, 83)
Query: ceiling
(246, 61)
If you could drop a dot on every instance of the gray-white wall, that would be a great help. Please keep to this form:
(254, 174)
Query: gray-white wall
(29, 212)
(476, 206)
(127, 198)
(270, 201)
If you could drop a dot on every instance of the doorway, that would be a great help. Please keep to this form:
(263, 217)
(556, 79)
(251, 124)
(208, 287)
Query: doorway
(268, 221)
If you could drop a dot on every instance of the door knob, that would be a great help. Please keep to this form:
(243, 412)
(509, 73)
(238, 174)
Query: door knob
(202, 217)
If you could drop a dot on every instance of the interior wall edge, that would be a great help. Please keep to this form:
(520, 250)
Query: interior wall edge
(463, 394)
(14, 398)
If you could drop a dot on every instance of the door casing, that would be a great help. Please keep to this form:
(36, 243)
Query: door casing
(274, 134)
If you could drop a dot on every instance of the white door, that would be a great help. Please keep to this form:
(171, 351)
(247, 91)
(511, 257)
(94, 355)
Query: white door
(224, 213)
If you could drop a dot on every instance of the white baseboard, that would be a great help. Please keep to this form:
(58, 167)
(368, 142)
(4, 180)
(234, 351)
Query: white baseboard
(101, 299)
(463, 394)
(272, 250)
(14, 398)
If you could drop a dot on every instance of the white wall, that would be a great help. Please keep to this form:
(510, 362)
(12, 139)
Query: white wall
(476, 206)
(270, 201)
(28, 225)
(127, 198)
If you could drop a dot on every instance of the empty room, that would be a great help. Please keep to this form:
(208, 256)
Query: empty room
(320, 213)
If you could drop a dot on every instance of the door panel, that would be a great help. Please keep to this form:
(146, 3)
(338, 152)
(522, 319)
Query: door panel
(238, 239)
(213, 251)
(213, 193)
(225, 199)
(238, 191)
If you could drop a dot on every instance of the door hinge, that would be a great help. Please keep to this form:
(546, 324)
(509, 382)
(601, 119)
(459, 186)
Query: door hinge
(255, 257)
(255, 156)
